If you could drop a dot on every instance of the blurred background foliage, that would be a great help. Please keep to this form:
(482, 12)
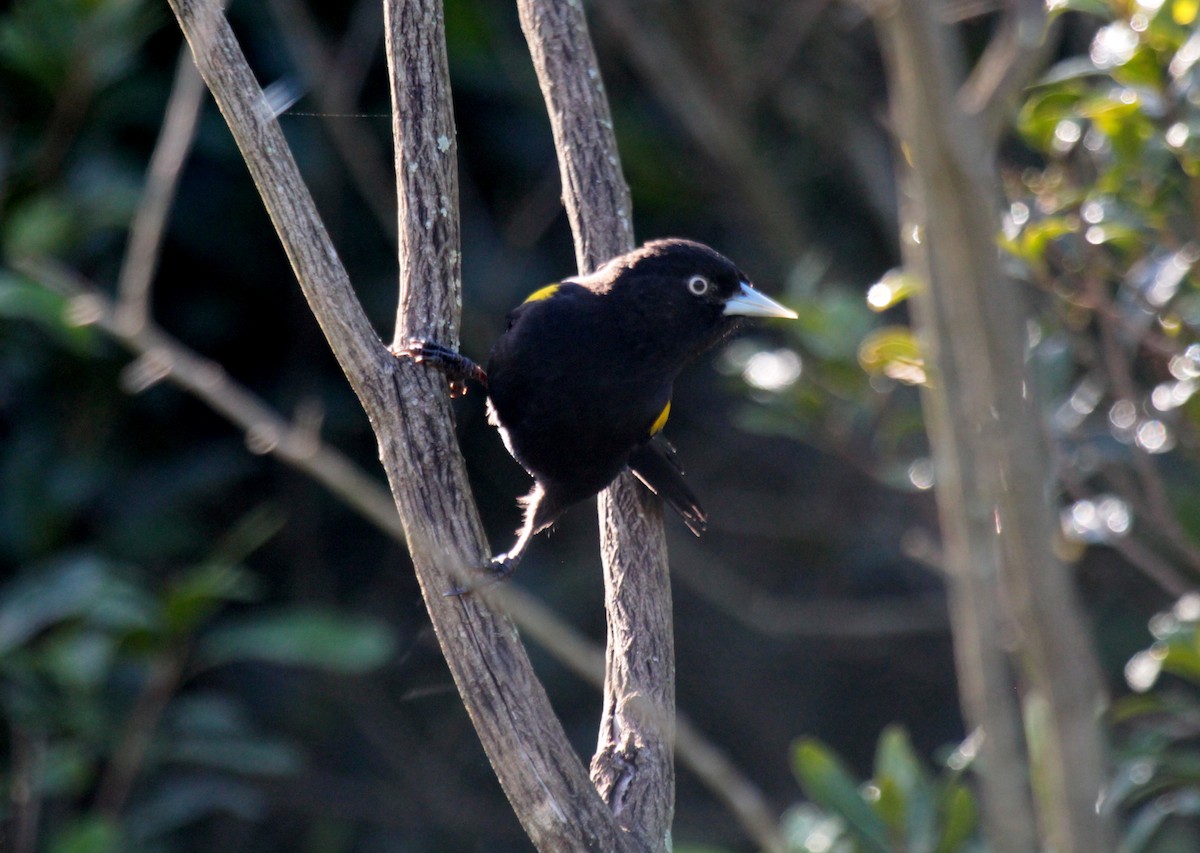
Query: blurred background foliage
(201, 649)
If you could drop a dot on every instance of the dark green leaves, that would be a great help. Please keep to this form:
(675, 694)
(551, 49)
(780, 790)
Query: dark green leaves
(901, 808)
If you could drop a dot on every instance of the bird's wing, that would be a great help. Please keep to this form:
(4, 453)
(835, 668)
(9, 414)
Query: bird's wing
(654, 464)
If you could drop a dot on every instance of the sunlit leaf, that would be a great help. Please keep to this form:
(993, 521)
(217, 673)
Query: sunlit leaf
(1141, 69)
(1100, 8)
(898, 767)
(958, 818)
(893, 288)
(1031, 244)
(1041, 113)
(826, 782)
(1182, 660)
(892, 352)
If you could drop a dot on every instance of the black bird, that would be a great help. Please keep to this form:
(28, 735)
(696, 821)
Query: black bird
(579, 385)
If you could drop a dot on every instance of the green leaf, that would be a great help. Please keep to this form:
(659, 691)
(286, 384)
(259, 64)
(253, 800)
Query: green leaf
(1031, 244)
(827, 782)
(1100, 8)
(958, 818)
(41, 226)
(302, 637)
(24, 300)
(1120, 120)
(892, 352)
(198, 593)
(1182, 660)
(1141, 69)
(892, 808)
(77, 587)
(88, 835)
(240, 756)
(1040, 115)
(898, 768)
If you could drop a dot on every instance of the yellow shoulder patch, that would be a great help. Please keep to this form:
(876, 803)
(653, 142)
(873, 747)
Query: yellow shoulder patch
(544, 293)
(661, 420)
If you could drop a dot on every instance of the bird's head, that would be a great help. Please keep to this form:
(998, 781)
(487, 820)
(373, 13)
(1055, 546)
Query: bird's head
(681, 292)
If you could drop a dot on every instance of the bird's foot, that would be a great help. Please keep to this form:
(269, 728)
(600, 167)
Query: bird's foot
(458, 368)
(498, 569)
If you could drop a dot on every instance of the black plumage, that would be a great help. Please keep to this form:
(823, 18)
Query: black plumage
(579, 384)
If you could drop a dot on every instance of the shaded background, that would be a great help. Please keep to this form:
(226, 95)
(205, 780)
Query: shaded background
(813, 606)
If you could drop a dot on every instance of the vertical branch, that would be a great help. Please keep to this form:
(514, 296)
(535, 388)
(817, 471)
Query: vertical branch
(633, 767)
(525, 743)
(992, 462)
(407, 404)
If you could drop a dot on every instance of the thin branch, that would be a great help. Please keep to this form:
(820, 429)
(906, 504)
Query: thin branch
(162, 179)
(778, 616)
(358, 149)
(721, 135)
(1014, 55)
(25, 787)
(116, 783)
(162, 357)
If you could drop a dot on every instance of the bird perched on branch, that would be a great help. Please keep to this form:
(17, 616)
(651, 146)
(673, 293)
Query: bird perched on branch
(579, 385)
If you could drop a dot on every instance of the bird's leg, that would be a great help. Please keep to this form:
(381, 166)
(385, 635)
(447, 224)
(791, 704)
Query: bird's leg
(539, 514)
(458, 368)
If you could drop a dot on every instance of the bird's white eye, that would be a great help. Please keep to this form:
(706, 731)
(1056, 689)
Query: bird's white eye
(698, 285)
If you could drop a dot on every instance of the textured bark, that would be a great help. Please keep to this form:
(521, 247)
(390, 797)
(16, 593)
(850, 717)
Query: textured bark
(633, 767)
(994, 483)
(408, 407)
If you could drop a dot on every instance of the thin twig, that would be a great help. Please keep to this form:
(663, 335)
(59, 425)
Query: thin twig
(162, 179)
(722, 136)
(25, 787)
(823, 618)
(359, 150)
(1011, 59)
(116, 783)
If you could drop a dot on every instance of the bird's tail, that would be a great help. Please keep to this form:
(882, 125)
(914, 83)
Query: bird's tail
(654, 464)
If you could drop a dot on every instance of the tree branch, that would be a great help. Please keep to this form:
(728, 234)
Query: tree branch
(408, 406)
(633, 767)
(162, 179)
(269, 432)
(1010, 60)
(992, 461)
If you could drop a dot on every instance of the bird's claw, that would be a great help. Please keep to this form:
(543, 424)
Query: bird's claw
(458, 368)
(498, 569)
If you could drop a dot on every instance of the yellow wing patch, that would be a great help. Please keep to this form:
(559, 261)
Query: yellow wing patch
(661, 420)
(544, 293)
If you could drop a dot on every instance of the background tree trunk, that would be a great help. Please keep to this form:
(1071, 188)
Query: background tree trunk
(993, 471)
